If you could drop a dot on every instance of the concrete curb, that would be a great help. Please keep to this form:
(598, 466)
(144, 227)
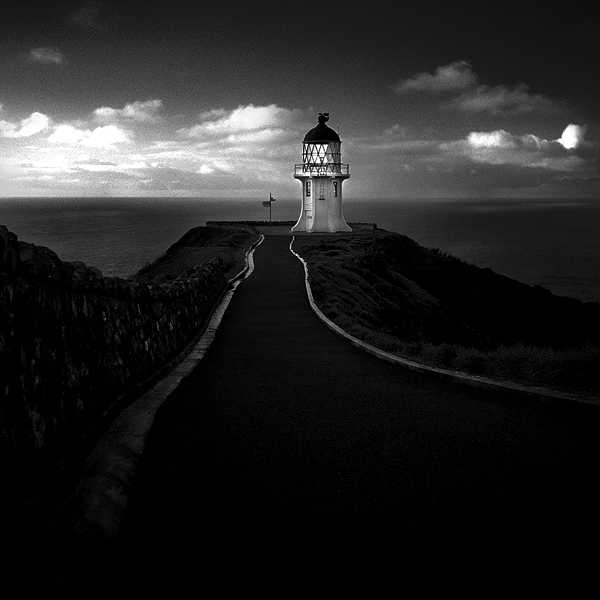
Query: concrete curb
(456, 376)
(95, 508)
(95, 430)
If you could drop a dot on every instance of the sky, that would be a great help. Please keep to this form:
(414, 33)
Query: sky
(431, 99)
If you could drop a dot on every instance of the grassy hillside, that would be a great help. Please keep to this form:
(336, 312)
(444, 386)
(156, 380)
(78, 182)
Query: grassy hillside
(424, 304)
(197, 246)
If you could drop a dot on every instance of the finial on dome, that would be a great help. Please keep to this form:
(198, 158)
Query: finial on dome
(323, 118)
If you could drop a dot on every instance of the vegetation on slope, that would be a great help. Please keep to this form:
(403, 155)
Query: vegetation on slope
(197, 246)
(429, 306)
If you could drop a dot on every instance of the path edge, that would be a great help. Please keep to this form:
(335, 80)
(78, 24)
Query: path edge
(456, 376)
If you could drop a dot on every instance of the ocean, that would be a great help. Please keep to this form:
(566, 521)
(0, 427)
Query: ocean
(548, 242)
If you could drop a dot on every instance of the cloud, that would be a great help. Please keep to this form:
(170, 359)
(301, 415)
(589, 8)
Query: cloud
(95, 164)
(246, 122)
(501, 99)
(247, 146)
(50, 164)
(89, 15)
(572, 136)
(398, 139)
(457, 79)
(245, 150)
(105, 136)
(216, 165)
(220, 152)
(500, 147)
(225, 152)
(67, 134)
(492, 139)
(50, 56)
(114, 128)
(483, 163)
(141, 111)
(33, 124)
(455, 76)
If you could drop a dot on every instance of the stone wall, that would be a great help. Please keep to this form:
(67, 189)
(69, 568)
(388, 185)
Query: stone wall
(72, 341)
(357, 226)
(251, 225)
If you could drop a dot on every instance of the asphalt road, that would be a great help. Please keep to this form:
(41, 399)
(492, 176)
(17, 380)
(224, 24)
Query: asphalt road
(289, 458)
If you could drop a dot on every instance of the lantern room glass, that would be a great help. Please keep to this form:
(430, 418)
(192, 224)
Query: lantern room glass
(322, 157)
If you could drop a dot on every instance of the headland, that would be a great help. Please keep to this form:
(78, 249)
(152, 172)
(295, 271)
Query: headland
(368, 275)
(77, 346)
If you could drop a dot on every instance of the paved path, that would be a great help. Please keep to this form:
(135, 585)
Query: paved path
(290, 456)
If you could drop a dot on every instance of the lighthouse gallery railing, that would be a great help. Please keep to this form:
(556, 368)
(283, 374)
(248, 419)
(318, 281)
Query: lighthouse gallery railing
(322, 169)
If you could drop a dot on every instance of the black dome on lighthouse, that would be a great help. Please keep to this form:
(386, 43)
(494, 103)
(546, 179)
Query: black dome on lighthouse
(322, 133)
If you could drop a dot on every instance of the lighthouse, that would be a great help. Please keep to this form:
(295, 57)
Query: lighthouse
(321, 174)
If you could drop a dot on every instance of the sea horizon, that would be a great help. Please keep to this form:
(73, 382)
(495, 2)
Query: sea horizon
(552, 242)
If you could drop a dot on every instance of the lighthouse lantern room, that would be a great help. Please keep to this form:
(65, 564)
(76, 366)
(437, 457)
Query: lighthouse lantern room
(321, 174)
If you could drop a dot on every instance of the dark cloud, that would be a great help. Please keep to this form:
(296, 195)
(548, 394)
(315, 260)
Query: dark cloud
(456, 76)
(459, 81)
(89, 15)
(50, 56)
(502, 99)
(106, 17)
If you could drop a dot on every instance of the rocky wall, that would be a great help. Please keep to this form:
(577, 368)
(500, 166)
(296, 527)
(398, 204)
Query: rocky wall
(251, 225)
(357, 226)
(72, 341)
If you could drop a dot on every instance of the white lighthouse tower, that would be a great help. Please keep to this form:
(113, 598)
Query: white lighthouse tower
(321, 174)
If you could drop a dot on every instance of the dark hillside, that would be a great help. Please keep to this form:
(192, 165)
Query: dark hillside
(386, 287)
(197, 246)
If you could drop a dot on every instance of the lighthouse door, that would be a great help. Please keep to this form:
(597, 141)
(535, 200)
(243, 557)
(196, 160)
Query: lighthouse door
(308, 208)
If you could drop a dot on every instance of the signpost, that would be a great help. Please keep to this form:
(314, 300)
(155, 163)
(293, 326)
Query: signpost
(268, 203)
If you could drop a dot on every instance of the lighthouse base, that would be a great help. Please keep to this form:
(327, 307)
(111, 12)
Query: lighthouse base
(308, 227)
(321, 214)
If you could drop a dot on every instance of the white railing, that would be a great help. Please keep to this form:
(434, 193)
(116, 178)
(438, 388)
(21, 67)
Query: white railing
(322, 169)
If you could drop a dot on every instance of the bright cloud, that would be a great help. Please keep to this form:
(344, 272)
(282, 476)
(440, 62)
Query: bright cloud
(33, 124)
(459, 80)
(235, 151)
(492, 139)
(57, 162)
(502, 148)
(493, 163)
(50, 56)
(216, 165)
(67, 134)
(139, 148)
(245, 146)
(572, 136)
(137, 111)
(107, 135)
(242, 120)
